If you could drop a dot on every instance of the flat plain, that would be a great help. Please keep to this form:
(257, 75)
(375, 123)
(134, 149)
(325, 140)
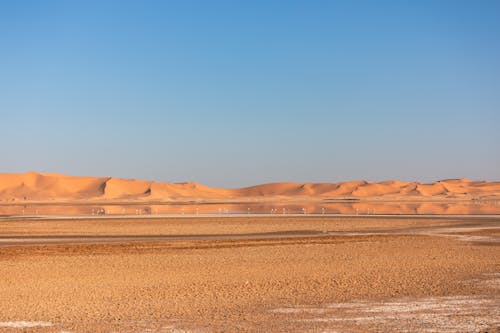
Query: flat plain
(250, 274)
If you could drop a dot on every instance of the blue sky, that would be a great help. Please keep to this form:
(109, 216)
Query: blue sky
(235, 93)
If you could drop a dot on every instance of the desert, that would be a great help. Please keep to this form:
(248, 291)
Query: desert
(33, 194)
(99, 254)
(249, 166)
(37, 187)
(250, 273)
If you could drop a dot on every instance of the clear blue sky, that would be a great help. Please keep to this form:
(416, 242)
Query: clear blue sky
(234, 93)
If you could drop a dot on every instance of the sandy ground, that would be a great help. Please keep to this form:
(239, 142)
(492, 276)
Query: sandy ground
(250, 274)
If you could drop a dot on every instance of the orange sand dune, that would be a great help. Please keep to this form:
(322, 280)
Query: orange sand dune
(172, 192)
(374, 189)
(32, 186)
(117, 188)
(35, 186)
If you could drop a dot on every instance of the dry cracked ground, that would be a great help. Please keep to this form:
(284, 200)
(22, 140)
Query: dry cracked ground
(250, 274)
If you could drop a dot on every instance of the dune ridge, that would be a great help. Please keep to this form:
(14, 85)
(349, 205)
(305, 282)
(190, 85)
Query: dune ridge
(33, 186)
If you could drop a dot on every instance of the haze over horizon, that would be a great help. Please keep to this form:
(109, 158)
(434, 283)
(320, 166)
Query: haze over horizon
(232, 94)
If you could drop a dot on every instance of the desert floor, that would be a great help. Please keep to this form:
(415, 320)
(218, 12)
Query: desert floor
(250, 274)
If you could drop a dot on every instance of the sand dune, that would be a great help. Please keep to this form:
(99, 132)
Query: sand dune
(35, 186)
(172, 192)
(32, 186)
(116, 188)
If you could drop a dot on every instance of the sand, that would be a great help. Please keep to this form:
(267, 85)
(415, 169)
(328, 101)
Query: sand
(250, 274)
(36, 187)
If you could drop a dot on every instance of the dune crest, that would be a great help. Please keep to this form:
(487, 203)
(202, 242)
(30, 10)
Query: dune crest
(33, 186)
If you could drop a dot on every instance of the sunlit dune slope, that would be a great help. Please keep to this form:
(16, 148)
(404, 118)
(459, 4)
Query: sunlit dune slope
(35, 186)
(32, 186)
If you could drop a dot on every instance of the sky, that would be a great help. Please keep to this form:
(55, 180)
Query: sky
(237, 93)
